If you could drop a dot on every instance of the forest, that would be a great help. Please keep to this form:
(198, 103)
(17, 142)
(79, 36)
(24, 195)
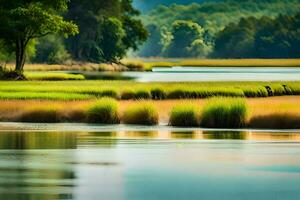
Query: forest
(199, 29)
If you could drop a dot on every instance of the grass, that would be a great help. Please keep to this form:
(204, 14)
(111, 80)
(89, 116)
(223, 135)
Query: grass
(261, 110)
(45, 114)
(141, 114)
(224, 113)
(104, 111)
(148, 64)
(187, 115)
(276, 121)
(52, 76)
(84, 90)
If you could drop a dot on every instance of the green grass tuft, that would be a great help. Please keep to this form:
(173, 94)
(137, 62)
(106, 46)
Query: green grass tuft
(185, 116)
(224, 113)
(104, 111)
(141, 114)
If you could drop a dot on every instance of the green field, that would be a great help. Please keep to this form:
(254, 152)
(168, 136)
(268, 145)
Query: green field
(81, 90)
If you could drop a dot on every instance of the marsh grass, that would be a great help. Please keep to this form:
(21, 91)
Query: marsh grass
(127, 90)
(142, 113)
(44, 114)
(52, 76)
(224, 113)
(276, 121)
(104, 111)
(187, 115)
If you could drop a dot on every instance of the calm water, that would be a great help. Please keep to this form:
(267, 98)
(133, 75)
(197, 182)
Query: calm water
(133, 165)
(179, 74)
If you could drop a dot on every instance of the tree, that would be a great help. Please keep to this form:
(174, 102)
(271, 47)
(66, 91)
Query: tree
(21, 21)
(108, 30)
(184, 34)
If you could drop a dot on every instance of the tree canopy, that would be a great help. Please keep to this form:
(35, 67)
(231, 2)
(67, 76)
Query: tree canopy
(24, 20)
(108, 29)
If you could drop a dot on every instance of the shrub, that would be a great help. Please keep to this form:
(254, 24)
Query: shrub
(158, 94)
(104, 111)
(275, 121)
(185, 116)
(224, 113)
(142, 94)
(127, 94)
(177, 94)
(141, 113)
(108, 93)
(41, 115)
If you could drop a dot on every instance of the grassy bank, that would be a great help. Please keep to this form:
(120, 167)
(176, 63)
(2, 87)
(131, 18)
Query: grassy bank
(148, 64)
(274, 112)
(127, 90)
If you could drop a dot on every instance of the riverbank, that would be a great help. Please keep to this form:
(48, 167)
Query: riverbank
(273, 112)
(148, 63)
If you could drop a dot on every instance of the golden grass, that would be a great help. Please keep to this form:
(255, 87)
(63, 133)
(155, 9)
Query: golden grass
(72, 110)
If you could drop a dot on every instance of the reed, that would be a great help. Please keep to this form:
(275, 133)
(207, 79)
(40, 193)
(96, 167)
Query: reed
(224, 113)
(141, 113)
(104, 111)
(185, 116)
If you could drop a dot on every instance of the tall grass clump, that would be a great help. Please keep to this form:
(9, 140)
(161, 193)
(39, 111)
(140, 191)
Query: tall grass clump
(104, 111)
(255, 91)
(141, 114)
(142, 94)
(185, 116)
(158, 93)
(224, 113)
(44, 114)
(276, 121)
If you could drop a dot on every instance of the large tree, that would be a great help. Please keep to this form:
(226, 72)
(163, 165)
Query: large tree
(22, 21)
(108, 29)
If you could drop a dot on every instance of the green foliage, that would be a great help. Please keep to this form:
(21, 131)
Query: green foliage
(141, 113)
(184, 34)
(22, 21)
(185, 116)
(104, 111)
(260, 38)
(51, 50)
(213, 16)
(224, 113)
(108, 30)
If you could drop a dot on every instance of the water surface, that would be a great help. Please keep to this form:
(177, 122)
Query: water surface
(149, 164)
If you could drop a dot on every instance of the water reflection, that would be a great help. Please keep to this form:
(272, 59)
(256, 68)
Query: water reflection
(148, 165)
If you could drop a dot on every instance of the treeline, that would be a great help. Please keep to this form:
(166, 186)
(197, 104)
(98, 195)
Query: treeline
(260, 38)
(105, 30)
(198, 29)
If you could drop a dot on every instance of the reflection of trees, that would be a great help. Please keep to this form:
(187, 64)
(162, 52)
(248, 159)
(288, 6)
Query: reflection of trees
(28, 172)
(226, 135)
(36, 140)
(100, 139)
(183, 135)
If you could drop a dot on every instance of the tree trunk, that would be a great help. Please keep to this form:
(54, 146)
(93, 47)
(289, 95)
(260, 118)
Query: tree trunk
(20, 55)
